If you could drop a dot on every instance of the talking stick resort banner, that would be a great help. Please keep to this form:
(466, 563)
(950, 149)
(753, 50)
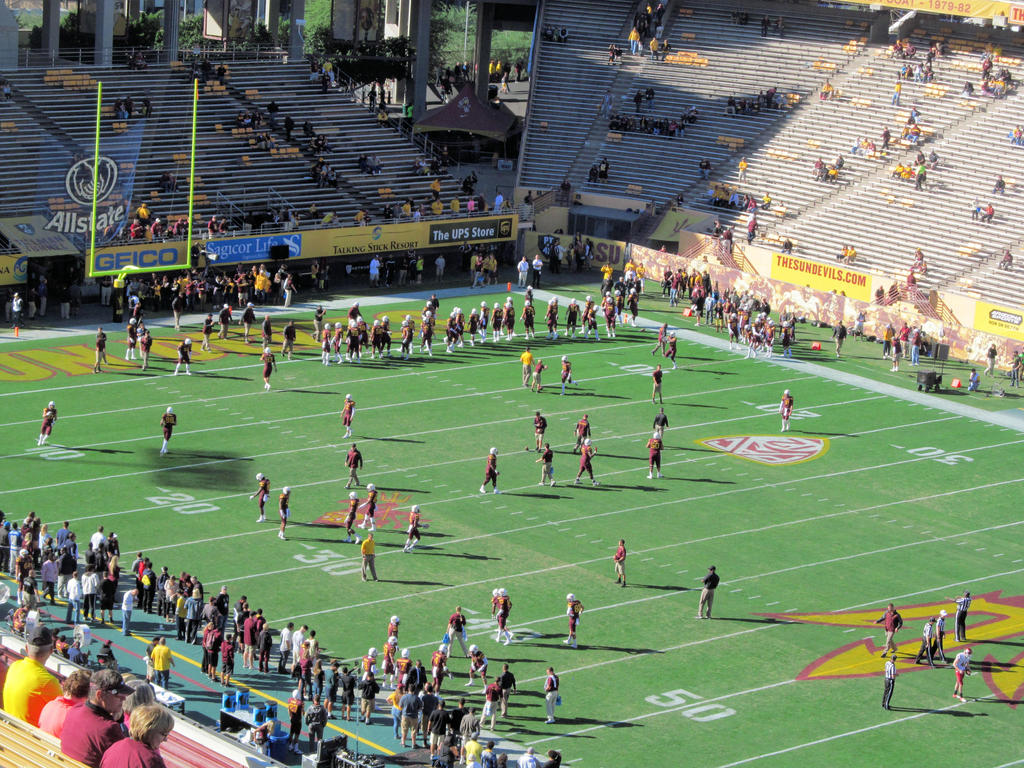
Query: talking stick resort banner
(64, 196)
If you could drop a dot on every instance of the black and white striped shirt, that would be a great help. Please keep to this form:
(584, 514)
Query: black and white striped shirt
(962, 604)
(890, 669)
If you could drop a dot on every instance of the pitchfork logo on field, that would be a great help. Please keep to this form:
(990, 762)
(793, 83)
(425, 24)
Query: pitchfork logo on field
(392, 512)
(772, 450)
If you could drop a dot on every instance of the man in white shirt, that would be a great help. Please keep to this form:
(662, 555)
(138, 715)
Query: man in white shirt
(961, 666)
(98, 538)
(374, 272)
(74, 588)
(523, 269)
(527, 759)
(298, 638)
(439, 267)
(285, 647)
(127, 606)
(538, 265)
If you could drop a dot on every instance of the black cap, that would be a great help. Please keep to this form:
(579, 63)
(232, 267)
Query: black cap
(40, 636)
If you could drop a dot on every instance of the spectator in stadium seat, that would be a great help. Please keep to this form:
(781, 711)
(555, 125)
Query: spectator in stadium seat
(150, 725)
(705, 168)
(168, 182)
(94, 726)
(987, 213)
(28, 686)
(75, 690)
(1006, 263)
(1000, 186)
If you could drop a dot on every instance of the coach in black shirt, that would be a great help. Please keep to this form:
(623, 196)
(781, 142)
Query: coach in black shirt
(707, 595)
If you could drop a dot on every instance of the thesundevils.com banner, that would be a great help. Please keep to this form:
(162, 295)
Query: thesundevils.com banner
(821, 277)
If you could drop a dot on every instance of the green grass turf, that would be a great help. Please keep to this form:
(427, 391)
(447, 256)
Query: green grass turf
(874, 518)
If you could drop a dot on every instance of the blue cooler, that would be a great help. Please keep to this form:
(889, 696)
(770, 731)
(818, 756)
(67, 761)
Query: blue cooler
(227, 701)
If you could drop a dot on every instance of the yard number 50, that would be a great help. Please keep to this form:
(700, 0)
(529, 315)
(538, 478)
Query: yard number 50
(681, 698)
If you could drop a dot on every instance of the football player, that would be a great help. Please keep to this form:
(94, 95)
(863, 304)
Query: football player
(283, 510)
(348, 412)
(49, 417)
(269, 365)
(167, 423)
(262, 495)
(574, 609)
(491, 472)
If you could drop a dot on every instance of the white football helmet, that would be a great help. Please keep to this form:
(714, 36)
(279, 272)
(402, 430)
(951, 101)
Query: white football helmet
(428, 313)
(348, 397)
(408, 318)
(494, 451)
(226, 306)
(385, 319)
(415, 507)
(589, 298)
(376, 323)
(654, 436)
(250, 304)
(587, 441)
(483, 304)
(286, 490)
(170, 410)
(52, 404)
(337, 326)
(188, 342)
(497, 305)
(443, 647)
(372, 653)
(392, 641)
(353, 495)
(395, 620)
(405, 653)
(259, 475)
(570, 597)
(473, 648)
(132, 321)
(528, 302)
(565, 358)
(266, 350)
(786, 392)
(371, 487)
(495, 592)
(503, 592)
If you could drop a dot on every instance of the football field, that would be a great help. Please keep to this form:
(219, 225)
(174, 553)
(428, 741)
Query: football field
(869, 498)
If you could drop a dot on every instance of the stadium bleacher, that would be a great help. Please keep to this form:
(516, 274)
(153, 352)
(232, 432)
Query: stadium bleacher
(885, 218)
(54, 108)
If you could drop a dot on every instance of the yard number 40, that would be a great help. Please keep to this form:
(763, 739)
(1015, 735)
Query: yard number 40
(685, 701)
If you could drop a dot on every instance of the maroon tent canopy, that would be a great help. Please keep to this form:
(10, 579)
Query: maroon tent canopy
(467, 113)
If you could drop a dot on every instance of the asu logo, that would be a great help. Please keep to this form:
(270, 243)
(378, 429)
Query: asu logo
(992, 619)
(392, 512)
(773, 450)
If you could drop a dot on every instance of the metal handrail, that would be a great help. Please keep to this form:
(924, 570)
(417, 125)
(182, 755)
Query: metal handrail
(84, 57)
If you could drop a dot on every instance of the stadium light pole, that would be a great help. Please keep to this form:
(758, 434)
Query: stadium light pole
(192, 172)
(95, 174)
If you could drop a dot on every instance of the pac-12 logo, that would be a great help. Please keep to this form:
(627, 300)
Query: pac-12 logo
(772, 450)
(79, 180)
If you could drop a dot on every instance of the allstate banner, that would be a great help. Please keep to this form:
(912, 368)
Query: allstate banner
(142, 256)
(64, 195)
(239, 249)
(1001, 321)
(820, 276)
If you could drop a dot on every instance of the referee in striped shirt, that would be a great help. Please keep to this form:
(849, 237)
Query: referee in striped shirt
(963, 604)
(890, 683)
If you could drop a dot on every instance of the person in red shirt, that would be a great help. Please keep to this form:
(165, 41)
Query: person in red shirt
(94, 726)
(145, 345)
(538, 369)
(353, 460)
(457, 629)
(439, 666)
(586, 456)
(582, 432)
(167, 424)
(50, 416)
(283, 510)
(654, 446)
(492, 698)
(350, 518)
(657, 376)
(574, 609)
(539, 425)
(75, 690)
(269, 365)
(371, 508)
(670, 353)
(348, 412)
(662, 339)
(567, 373)
(491, 473)
(786, 409)
(261, 495)
(547, 473)
(619, 559)
(413, 533)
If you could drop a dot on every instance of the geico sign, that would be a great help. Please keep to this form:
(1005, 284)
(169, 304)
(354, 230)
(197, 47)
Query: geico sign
(149, 258)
